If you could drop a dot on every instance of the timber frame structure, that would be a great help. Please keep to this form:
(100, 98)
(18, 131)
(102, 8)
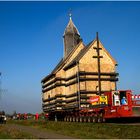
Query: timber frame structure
(79, 74)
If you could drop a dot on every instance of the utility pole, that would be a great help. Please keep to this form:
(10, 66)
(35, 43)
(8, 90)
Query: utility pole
(98, 63)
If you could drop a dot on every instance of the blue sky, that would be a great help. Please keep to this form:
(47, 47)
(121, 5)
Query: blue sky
(31, 44)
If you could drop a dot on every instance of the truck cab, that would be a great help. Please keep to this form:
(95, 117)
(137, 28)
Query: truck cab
(119, 104)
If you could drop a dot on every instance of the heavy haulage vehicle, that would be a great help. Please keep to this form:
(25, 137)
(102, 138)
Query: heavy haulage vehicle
(114, 105)
(104, 106)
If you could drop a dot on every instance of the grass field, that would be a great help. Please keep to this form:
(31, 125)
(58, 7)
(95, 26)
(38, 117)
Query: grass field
(85, 130)
(13, 134)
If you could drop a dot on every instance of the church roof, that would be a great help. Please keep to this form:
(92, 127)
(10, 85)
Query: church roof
(71, 28)
(58, 65)
(82, 53)
(62, 62)
(77, 58)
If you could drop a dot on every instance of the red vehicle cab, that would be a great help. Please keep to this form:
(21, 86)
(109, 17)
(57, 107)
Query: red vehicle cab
(118, 104)
(116, 108)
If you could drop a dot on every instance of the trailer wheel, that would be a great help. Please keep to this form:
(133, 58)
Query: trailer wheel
(73, 119)
(89, 119)
(85, 119)
(77, 119)
(94, 119)
(70, 119)
(99, 119)
(81, 119)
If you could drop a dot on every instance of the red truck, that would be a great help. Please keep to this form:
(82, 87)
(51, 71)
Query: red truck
(121, 104)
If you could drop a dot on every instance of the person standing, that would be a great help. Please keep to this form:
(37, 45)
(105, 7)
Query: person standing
(36, 116)
(124, 101)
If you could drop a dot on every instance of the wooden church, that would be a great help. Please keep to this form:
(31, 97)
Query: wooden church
(84, 71)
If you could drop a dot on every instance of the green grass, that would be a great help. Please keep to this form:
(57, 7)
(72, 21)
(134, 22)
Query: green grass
(13, 134)
(86, 130)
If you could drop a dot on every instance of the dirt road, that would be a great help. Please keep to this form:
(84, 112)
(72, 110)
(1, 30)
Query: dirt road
(40, 134)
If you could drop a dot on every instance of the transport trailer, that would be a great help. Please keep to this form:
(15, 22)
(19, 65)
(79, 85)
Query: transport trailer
(113, 105)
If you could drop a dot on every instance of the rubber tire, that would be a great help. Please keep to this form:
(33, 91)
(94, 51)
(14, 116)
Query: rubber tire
(89, 119)
(81, 119)
(70, 119)
(74, 119)
(85, 119)
(93, 119)
(99, 119)
(77, 119)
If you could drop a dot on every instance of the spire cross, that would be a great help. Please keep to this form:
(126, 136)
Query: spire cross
(70, 14)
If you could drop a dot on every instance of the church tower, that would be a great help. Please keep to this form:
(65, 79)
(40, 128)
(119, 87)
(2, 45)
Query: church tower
(71, 37)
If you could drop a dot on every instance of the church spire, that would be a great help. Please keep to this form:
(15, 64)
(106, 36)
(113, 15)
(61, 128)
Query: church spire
(71, 36)
(71, 28)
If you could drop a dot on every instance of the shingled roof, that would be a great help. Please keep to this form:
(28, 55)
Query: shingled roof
(58, 65)
(71, 28)
(78, 57)
(81, 54)
(61, 63)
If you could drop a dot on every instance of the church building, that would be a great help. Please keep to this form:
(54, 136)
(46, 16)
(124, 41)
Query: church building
(84, 71)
